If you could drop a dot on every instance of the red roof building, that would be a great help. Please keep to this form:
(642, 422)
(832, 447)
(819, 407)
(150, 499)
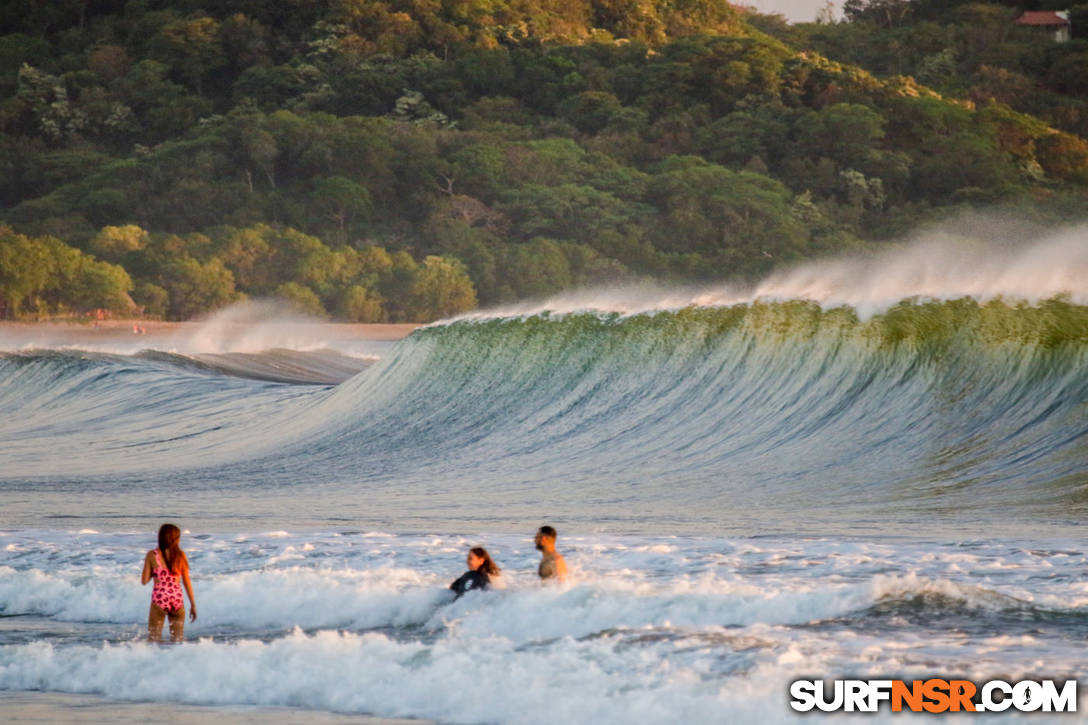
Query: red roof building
(1048, 20)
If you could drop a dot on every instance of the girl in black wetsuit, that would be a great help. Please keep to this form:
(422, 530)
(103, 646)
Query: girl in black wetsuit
(480, 571)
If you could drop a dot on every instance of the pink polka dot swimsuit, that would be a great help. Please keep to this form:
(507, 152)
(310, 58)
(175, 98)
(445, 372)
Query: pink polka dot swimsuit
(166, 593)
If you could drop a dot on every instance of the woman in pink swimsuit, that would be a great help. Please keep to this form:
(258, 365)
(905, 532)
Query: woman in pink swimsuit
(168, 566)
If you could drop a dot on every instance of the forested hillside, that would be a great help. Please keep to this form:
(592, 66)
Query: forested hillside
(389, 160)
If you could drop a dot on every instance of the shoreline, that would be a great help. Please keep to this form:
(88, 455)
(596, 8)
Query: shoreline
(122, 330)
(26, 707)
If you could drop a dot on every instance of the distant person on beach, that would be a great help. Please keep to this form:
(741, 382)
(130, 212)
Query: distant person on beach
(552, 564)
(480, 572)
(169, 567)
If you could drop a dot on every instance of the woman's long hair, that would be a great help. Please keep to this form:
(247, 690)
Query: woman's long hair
(488, 567)
(169, 536)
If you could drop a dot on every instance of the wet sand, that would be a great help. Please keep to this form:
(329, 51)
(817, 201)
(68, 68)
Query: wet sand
(52, 707)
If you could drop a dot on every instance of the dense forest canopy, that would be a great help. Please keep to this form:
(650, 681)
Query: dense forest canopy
(388, 160)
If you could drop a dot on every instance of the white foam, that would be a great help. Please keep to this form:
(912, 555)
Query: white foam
(281, 598)
(456, 680)
(648, 629)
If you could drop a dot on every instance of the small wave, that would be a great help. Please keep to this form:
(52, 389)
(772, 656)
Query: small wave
(662, 654)
(316, 367)
(384, 597)
(646, 627)
(440, 681)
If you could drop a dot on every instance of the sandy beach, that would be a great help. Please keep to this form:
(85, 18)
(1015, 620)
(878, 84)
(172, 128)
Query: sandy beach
(25, 708)
(117, 330)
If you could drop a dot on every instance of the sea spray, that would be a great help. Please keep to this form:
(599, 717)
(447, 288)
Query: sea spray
(983, 258)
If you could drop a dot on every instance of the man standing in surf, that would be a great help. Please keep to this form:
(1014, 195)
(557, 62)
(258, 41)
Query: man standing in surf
(552, 565)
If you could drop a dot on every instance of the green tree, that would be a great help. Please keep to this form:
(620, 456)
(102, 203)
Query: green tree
(46, 99)
(195, 288)
(117, 243)
(1064, 156)
(567, 211)
(442, 288)
(887, 13)
(847, 133)
(396, 285)
(743, 219)
(248, 254)
(342, 201)
(152, 299)
(590, 111)
(736, 139)
(24, 270)
(1078, 18)
(53, 277)
(301, 298)
(358, 304)
(244, 42)
(479, 170)
(192, 48)
(536, 269)
(97, 285)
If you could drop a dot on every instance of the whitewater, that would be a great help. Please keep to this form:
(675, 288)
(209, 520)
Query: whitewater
(867, 467)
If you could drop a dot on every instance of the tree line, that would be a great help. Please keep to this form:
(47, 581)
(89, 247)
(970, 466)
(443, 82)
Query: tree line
(379, 160)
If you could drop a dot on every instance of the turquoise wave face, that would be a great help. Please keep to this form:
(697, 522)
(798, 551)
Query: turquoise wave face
(765, 417)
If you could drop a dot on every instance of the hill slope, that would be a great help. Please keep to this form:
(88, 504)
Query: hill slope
(407, 160)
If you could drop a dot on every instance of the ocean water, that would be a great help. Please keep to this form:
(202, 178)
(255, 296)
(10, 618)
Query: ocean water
(857, 469)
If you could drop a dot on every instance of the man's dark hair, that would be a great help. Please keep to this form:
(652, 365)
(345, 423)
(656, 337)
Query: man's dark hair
(548, 531)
